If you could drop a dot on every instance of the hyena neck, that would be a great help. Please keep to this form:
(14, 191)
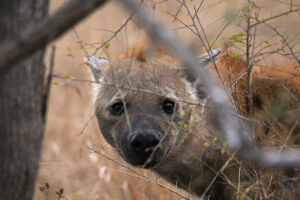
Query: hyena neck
(193, 167)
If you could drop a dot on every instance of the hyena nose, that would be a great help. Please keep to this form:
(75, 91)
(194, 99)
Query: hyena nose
(144, 141)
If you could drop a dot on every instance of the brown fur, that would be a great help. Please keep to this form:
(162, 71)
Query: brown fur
(192, 156)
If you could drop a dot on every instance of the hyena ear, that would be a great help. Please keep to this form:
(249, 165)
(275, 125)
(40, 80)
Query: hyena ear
(204, 60)
(206, 57)
(96, 65)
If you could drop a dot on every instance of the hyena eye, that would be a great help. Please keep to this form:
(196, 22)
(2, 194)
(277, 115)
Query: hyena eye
(168, 106)
(117, 108)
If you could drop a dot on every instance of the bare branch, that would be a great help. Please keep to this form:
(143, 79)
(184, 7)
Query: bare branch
(115, 33)
(284, 40)
(44, 32)
(274, 17)
(221, 120)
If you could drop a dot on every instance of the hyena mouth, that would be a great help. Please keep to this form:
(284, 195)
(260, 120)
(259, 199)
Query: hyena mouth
(153, 158)
(146, 160)
(150, 164)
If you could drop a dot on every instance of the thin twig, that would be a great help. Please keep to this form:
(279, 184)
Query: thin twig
(274, 17)
(137, 173)
(114, 34)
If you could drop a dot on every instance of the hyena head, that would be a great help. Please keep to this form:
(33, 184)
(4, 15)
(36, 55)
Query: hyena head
(139, 105)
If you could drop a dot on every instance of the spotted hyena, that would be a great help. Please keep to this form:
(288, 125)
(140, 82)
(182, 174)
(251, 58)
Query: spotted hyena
(155, 116)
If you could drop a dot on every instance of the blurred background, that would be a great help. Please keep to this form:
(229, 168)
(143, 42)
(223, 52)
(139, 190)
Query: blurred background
(69, 169)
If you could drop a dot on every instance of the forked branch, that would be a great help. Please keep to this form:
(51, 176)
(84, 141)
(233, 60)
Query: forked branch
(44, 32)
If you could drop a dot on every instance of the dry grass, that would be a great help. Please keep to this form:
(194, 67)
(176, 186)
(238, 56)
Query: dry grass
(71, 128)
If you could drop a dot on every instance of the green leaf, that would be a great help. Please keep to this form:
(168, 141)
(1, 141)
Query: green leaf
(237, 57)
(247, 190)
(69, 54)
(246, 10)
(237, 37)
(240, 34)
(68, 76)
(55, 83)
(107, 45)
(238, 40)
(120, 70)
(268, 43)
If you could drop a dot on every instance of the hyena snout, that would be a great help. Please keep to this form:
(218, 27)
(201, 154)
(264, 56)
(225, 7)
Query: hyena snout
(144, 141)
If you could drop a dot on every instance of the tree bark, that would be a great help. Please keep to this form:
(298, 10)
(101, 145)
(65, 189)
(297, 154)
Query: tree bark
(21, 104)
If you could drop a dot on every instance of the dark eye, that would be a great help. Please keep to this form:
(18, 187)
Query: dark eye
(168, 106)
(117, 108)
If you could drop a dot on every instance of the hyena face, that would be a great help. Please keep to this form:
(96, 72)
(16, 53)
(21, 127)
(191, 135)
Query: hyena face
(139, 105)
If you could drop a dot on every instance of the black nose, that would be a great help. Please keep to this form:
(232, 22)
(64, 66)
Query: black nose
(144, 141)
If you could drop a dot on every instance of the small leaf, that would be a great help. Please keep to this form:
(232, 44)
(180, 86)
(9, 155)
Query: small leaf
(179, 123)
(268, 43)
(225, 144)
(69, 54)
(41, 188)
(215, 139)
(237, 57)
(55, 83)
(196, 119)
(60, 192)
(240, 34)
(68, 76)
(120, 70)
(79, 42)
(246, 10)
(247, 190)
(185, 126)
(237, 37)
(199, 133)
(206, 144)
(84, 64)
(223, 151)
(238, 40)
(107, 45)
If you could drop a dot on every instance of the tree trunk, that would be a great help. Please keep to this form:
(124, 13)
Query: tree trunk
(21, 104)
